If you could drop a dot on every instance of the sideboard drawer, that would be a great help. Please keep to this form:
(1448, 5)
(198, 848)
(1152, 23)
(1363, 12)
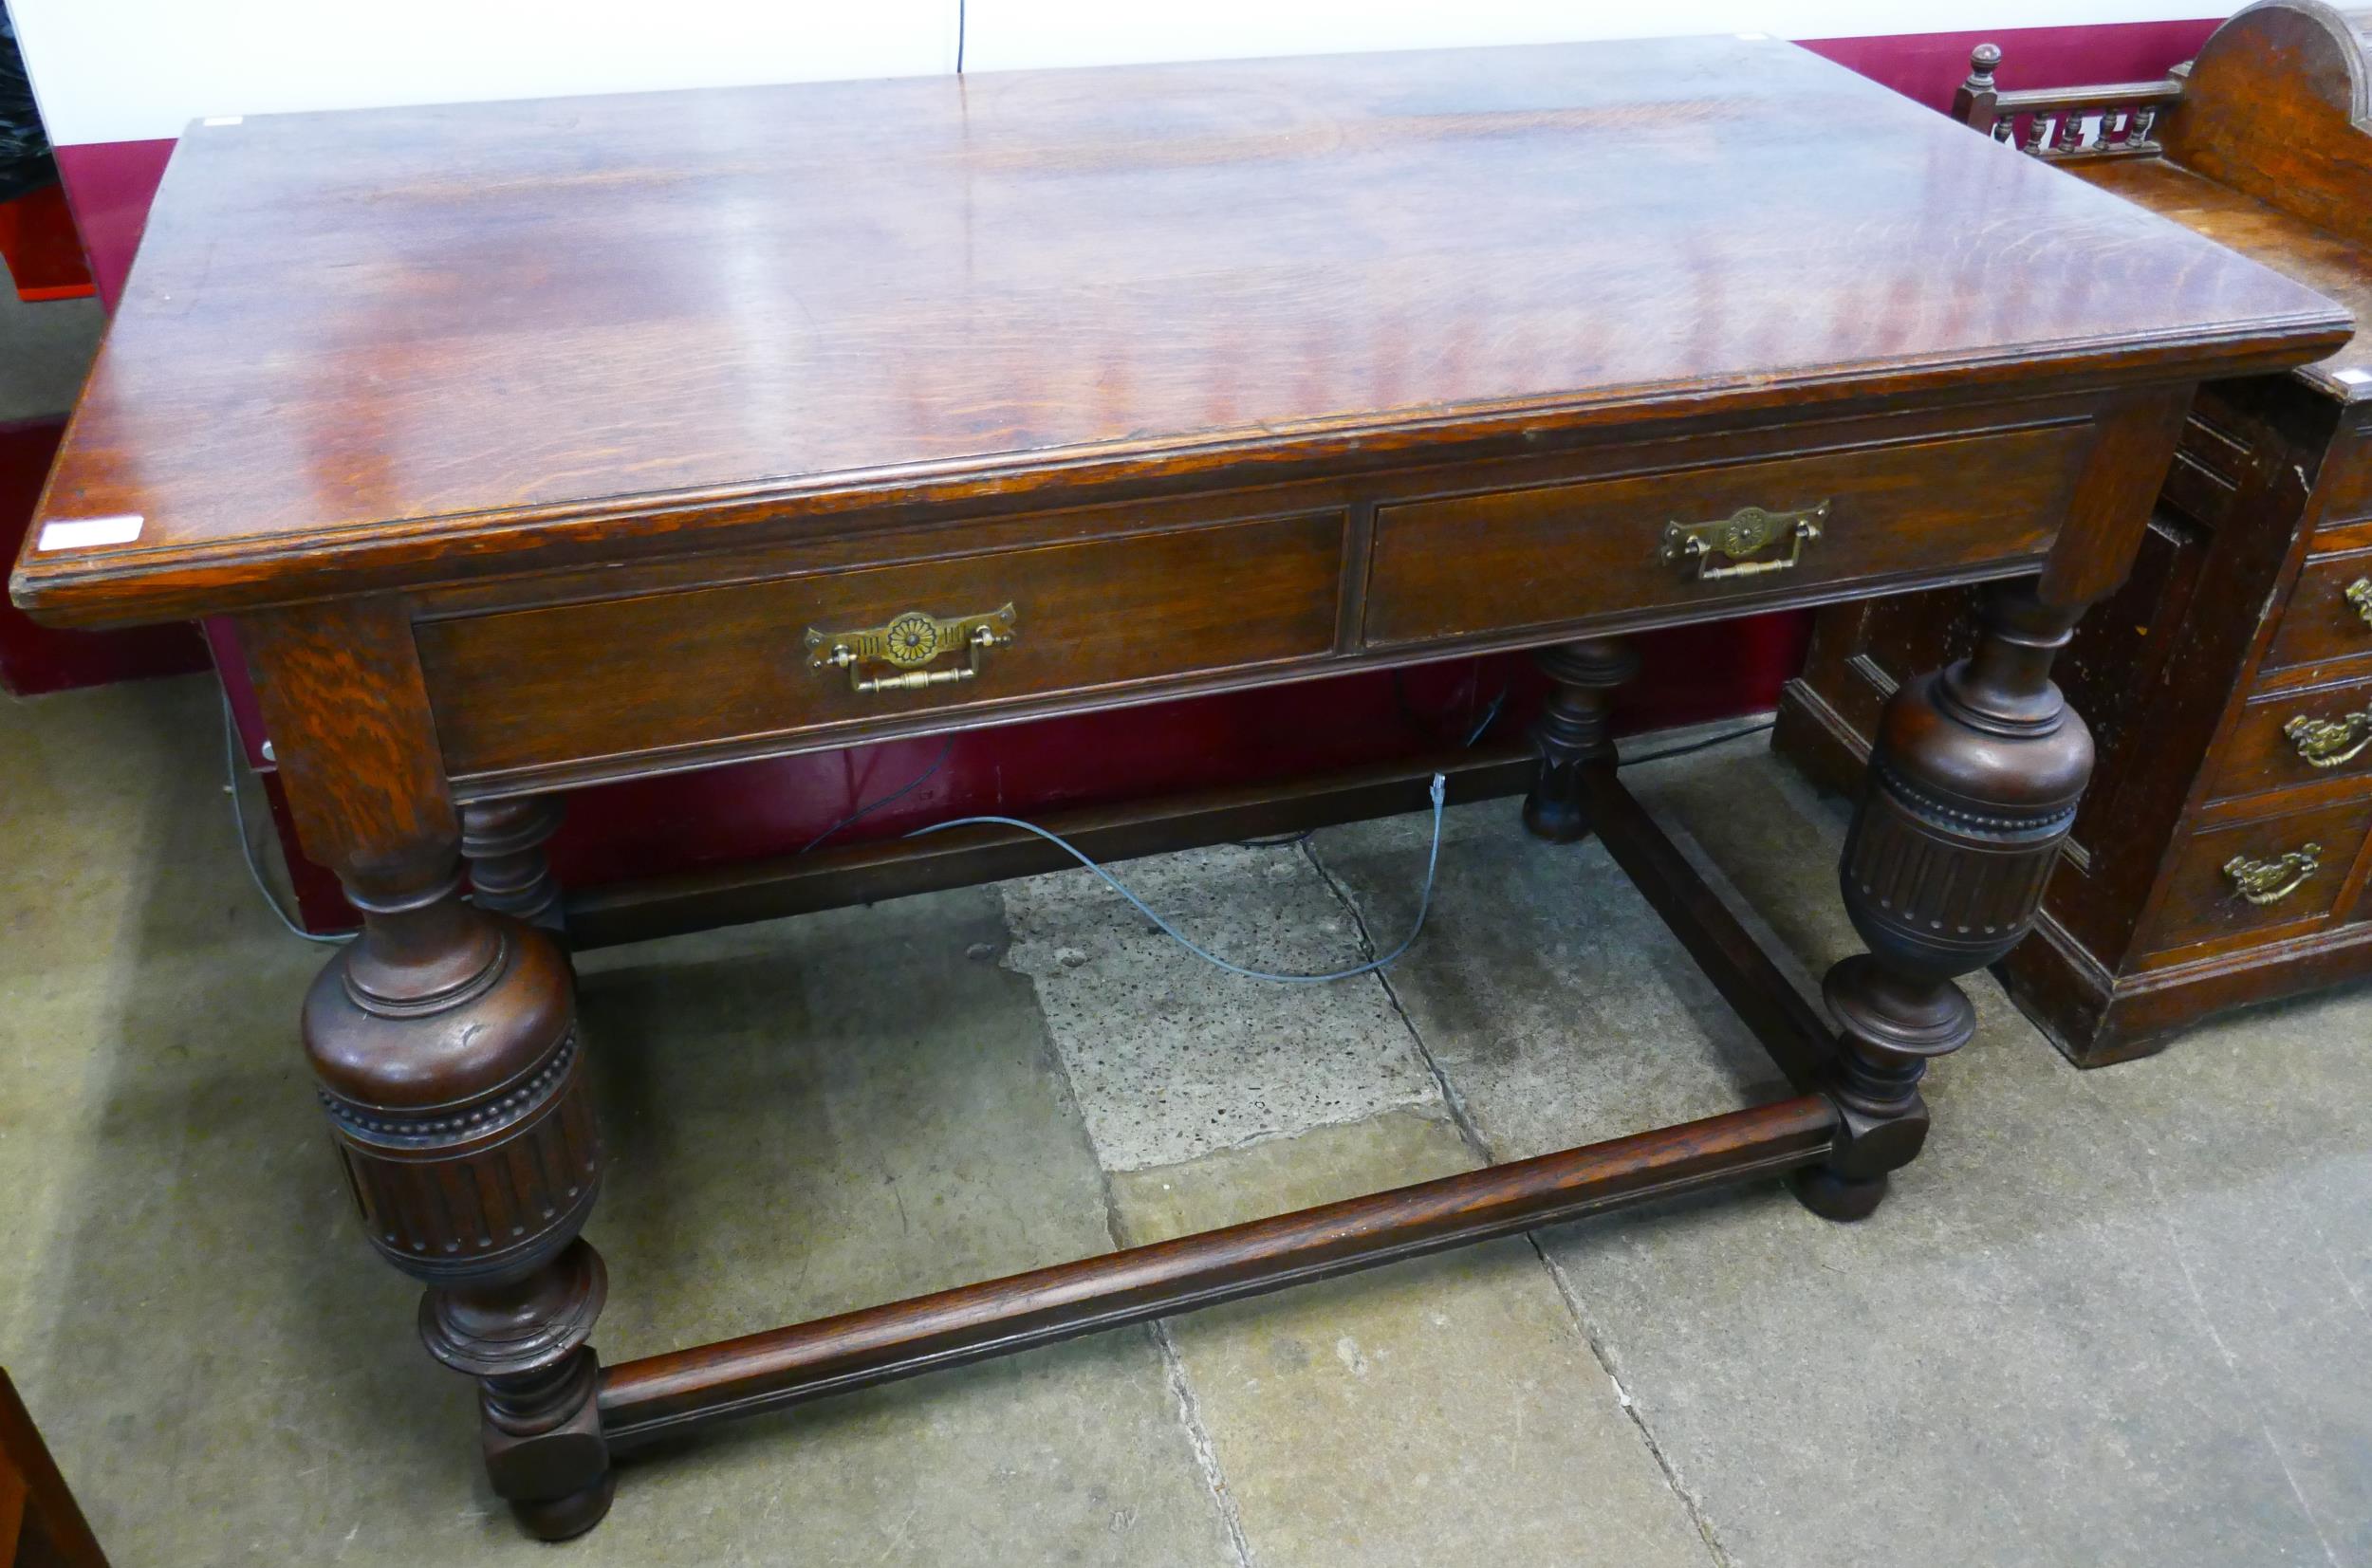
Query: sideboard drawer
(2205, 901)
(541, 687)
(2330, 614)
(2297, 738)
(2348, 480)
(1512, 560)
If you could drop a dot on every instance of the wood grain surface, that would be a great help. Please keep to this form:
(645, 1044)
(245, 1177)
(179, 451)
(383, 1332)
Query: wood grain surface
(392, 347)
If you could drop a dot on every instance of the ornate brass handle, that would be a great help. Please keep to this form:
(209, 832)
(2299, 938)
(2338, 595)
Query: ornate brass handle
(2326, 743)
(2359, 594)
(2270, 881)
(1740, 536)
(909, 641)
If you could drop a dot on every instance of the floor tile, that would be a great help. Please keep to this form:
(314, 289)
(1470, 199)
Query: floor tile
(1445, 1410)
(1558, 1006)
(1171, 1058)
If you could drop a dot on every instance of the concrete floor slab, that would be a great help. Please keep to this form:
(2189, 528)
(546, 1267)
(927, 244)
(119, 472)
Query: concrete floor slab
(45, 349)
(2109, 1318)
(1445, 1410)
(2078, 1331)
(1558, 1006)
(1171, 1058)
(835, 1111)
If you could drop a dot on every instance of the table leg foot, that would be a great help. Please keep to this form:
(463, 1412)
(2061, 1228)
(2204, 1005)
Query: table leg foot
(1574, 727)
(544, 1452)
(564, 1518)
(1834, 1196)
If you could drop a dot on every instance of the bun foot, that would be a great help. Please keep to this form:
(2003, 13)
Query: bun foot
(1560, 822)
(1835, 1197)
(562, 1518)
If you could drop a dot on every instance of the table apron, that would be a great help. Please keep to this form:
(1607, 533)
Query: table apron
(760, 653)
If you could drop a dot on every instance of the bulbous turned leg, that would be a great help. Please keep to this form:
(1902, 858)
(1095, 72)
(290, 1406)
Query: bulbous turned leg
(1972, 786)
(445, 1042)
(503, 841)
(1575, 726)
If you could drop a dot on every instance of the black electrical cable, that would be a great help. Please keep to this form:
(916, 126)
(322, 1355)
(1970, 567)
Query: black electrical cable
(898, 794)
(1705, 744)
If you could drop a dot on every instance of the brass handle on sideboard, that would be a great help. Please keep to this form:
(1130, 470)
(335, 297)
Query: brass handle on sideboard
(906, 643)
(2359, 594)
(2270, 881)
(2327, 743)
(1740, 537)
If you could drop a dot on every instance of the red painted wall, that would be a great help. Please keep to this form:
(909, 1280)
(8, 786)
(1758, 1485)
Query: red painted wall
(775, 807)
(110, 184)
(34, 659)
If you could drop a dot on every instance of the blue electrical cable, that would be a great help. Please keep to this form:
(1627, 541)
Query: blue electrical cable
(1424, 902)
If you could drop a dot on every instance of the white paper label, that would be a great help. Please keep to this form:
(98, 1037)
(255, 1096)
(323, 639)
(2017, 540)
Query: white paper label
(83, 531)
(222, 120)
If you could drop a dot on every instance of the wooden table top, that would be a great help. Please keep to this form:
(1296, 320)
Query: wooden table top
(2332, 265)
(401, 345)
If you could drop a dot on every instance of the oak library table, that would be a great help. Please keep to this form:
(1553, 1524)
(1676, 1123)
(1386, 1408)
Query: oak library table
(537, 443)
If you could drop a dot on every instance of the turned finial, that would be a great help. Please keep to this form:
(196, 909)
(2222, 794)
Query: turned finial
(1973, 103)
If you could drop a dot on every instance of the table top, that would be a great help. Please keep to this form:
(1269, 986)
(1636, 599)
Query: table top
(390, 346)
(2332, 265)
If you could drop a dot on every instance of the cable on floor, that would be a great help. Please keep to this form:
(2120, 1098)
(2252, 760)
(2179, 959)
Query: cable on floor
(1705, 744)
(1439, 792)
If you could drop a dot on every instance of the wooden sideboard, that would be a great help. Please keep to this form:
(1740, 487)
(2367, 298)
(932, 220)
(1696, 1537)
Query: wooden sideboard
(2222, 854)
(539, 444)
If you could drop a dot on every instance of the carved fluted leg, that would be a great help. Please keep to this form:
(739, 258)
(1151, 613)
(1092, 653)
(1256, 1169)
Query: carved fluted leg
(445, 1046)
(503, 841)
(1972, 786)
(1575, 726)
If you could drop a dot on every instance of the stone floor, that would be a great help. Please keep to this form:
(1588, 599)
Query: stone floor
(2114, 1318)
(44, 348)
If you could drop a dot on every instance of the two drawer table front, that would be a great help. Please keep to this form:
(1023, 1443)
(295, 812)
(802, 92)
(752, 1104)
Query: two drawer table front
(534, 687)
(1459, 566)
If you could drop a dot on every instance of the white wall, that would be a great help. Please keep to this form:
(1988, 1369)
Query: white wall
(123, 70)
(1016, 35)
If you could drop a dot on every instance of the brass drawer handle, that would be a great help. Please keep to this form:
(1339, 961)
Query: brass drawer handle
(911, 640)
(2326, 743)
(2270, 881)
(1741, 535)
(2359, 594)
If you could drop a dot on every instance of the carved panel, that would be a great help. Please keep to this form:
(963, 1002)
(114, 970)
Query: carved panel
(476, 1189)
(1954, 885)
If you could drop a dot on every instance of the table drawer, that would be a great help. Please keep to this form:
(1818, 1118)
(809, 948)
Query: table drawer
(2330, 614)
(1459, 566)
(2297, 738)
(2299, 864)
(541, 688)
